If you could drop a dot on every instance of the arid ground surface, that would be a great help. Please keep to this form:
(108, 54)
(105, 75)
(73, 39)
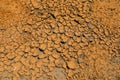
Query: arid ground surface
(59, 39)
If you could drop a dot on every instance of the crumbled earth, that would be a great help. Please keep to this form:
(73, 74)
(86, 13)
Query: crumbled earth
(59, 39)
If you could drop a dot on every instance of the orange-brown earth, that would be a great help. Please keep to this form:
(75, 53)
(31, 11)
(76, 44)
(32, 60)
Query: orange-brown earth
(59, 40)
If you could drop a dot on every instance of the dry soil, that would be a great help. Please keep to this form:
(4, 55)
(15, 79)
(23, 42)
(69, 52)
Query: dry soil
(59, 39)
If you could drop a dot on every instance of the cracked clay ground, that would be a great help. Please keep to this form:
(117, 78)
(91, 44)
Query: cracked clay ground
(59, 39)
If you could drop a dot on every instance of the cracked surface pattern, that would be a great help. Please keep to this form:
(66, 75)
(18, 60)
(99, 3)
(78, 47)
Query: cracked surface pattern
(59, 40)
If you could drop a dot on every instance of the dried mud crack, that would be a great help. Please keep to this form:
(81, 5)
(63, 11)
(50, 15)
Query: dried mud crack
(59, 40)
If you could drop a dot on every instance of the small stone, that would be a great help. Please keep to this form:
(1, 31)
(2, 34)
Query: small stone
(87, 20)
(20, 52)
(51, 58)
(61, 29)
(16, 66)
(77, 39)
(35, 52)
(33, 60)
(22, 47)
(106, 32)
(34, 44)
(35, 3)
(59, 50)
(56, 30)
(57, 40)
(70, 72)
(72, 64)
(64, 38)
(77, 33)
(74, 44)
(53, 36)
(83, 39)
(27, 49)
(41, 40)
(17, 58)
(45, 60)
(70, 42)
(56, 55)
(15, 45)
(69, 33)
(2, 49)
(79, 52)
(49, 52)
(43, 46)
(11, 56)
(41, 56)
(59, 62)
(56, 13)
(51, 68)
(7, 62)
(1, 69)
(56, 46)
(39, 63)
